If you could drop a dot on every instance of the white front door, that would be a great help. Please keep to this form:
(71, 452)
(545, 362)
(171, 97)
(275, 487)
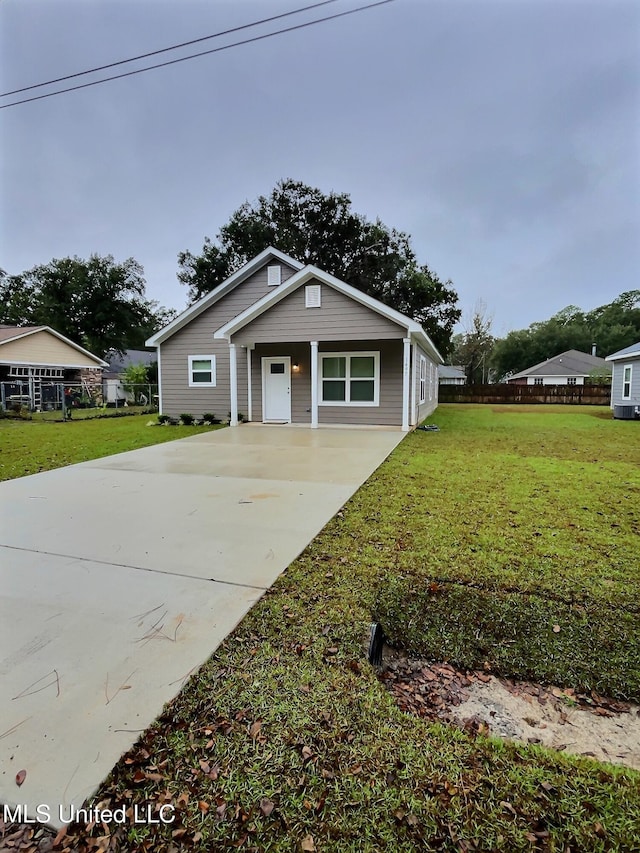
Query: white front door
(276, 389)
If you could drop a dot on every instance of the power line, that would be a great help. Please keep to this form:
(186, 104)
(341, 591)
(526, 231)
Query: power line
(196, 55)
(166, 49)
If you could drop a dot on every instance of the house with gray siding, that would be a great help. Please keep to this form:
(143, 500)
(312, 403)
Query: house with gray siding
(625, 382)
(567, 368)
(280, 342)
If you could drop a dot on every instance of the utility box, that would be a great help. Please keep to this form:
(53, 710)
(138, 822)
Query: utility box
(626, 413)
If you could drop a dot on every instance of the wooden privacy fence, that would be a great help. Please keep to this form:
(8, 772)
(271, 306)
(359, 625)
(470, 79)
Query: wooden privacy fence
(576, 395)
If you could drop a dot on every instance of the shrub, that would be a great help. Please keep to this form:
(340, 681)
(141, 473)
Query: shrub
(163, 419)
(187, 419)
(210, 418)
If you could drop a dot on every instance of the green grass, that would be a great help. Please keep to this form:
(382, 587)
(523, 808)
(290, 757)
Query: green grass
(30, 446)
(529, 522)
(286, 732)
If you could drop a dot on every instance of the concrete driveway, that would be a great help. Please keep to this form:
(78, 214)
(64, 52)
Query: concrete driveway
(119, 577)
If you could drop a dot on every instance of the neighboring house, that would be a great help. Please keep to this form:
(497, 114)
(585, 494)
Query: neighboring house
(280, 342)
(36, 360)
(569, 368)
(112, 387)
(625, 382)
(450, 374)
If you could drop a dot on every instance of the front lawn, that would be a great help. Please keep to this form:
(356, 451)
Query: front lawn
(30, 446)
(285, 740)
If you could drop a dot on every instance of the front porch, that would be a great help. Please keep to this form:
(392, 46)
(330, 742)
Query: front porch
(325, 383)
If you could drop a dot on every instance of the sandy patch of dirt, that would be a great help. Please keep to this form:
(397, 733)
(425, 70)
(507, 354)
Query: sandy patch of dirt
(584, 724)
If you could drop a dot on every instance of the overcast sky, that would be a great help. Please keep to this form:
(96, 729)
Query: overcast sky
(502, 135)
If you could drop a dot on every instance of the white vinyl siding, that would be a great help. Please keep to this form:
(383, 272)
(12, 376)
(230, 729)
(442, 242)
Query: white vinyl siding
(202, 371)
(627, 373)
(349, 379)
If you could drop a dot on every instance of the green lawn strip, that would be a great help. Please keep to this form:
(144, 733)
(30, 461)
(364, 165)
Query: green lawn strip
(28, 447)
(528, 563)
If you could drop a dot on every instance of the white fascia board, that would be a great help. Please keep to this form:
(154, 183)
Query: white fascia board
(221, 290)
(624, 357)
(304, 275)
(99, 361)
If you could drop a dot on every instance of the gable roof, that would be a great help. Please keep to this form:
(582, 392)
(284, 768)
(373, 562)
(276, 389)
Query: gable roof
(451, 371)
(632, 351)
(9, 333)
(221, 290)
(14, 333)
(569, 363)
(310, 272)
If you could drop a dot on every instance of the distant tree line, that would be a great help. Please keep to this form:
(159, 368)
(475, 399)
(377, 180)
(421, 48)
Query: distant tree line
(610, 327)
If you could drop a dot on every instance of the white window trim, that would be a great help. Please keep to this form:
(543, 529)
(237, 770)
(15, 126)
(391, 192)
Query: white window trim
(626, 367)
(210, 358)
(347, 378)
(423, 380)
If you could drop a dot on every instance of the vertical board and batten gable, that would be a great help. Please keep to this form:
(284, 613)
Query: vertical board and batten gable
(339, 318)
(196, 338)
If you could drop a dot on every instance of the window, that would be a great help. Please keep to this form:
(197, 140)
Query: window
(274, 276)
(626, 382)
(202, 371)
(430, 380)
(349, 379)
(538, 380)
(423, 379)
(571, 380)
(312, 296)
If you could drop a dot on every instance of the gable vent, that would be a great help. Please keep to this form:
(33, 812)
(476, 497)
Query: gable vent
(312, 296)
(274, 276)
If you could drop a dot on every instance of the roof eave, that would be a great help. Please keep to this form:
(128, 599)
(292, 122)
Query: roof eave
(624, 356)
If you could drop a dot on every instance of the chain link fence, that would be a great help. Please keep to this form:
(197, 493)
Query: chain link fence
(36, 399)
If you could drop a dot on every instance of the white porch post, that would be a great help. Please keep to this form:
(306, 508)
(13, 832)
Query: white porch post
(314, 384)
(233, 376)
(249, 396)
(414, 378)
(406, 353)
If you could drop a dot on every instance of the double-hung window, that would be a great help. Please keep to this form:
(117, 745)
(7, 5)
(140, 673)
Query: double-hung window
(202, 371)
(423, 379)
(571, 380)
(626, 382)
(349, 379)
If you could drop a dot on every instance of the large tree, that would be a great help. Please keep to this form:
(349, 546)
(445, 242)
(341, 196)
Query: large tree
(321, 229)
(610, 327)
(472, 349)
(98, 303)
